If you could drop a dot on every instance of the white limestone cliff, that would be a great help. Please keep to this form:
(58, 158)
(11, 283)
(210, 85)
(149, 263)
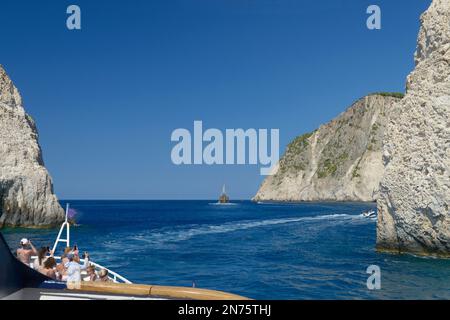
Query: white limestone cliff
(340, 161)
(413, 208)
(26, 190)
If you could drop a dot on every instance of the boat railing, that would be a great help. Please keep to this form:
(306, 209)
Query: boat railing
(115, 277)
(111, 274)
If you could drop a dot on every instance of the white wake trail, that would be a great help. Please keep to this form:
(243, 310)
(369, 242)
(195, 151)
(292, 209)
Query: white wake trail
(198, 230)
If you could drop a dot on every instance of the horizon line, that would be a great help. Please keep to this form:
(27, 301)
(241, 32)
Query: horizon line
(108, 199)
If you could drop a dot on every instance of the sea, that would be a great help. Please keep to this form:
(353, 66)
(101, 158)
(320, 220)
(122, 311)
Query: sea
(275, 251)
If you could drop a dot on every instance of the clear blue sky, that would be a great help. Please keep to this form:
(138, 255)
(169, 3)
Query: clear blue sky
(107, 98)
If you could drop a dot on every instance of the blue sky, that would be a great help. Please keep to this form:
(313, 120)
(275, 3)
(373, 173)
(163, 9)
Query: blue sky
(107, 98)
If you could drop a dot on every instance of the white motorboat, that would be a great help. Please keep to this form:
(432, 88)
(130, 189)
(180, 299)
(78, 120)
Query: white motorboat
(369, 214)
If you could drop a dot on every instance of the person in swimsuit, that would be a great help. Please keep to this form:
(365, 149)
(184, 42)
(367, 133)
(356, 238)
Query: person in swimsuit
(24, 253)
(91, 273)
(61, 271)
(38, 263)
(103, 276)
(49, 268)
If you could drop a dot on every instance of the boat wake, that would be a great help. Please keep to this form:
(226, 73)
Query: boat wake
(199, 230)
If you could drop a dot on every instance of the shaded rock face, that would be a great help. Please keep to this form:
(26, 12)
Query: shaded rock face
(340, 161)
(413, 208)
(26, 191)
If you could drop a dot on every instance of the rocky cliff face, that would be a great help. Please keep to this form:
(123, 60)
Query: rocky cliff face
(26, 192)
(340, 161)
(413, 209)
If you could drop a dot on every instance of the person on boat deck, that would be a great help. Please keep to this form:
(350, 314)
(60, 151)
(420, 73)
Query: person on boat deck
(76, 253)
(103, 276)
(67, 250)
(74, 268)
(61, 269)
(38, 263)
(49, 268)
(24, 253)
(91, 273)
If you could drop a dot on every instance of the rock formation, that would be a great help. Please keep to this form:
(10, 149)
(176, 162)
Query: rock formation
(340, 161)
(413, 208)
(26, 191)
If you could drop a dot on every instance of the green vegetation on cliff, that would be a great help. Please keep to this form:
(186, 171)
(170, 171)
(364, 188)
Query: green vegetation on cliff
(292, 159)
(398, 95)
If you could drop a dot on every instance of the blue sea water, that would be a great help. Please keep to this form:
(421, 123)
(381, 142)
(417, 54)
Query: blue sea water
(262, 251)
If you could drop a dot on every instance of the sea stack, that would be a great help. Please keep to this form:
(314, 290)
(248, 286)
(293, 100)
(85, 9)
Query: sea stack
(340, 161)
(413, 208)
(26, 189)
